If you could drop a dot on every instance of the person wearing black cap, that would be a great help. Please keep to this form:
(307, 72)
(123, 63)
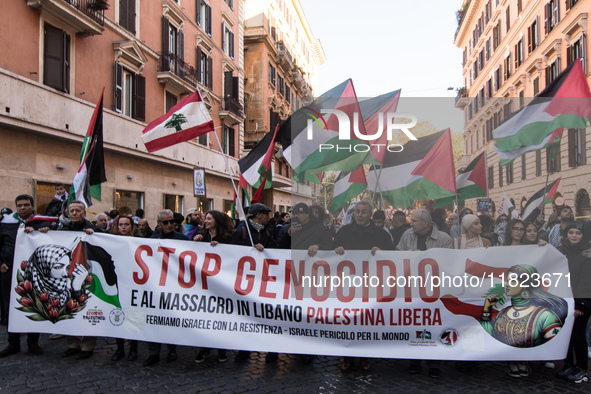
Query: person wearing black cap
(166, 223)
(257, 222)
(262, 237)
(305, 232)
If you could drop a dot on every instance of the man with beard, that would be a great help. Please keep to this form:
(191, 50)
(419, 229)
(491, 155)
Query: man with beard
(24, 216)
(143, 229)
(558, 231)
(193, 223)
(362, 234)
(305, 232)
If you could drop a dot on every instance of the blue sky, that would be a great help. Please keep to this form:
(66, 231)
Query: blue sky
(384, 45)
(388, 44)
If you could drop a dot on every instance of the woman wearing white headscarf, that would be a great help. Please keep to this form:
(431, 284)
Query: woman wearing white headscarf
(470, 238)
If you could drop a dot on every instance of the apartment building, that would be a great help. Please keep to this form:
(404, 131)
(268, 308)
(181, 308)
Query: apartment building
(512, 50)
(281, 57)
(148, 55)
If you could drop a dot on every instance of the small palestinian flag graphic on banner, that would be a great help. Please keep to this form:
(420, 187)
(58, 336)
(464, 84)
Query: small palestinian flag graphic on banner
(100, 266)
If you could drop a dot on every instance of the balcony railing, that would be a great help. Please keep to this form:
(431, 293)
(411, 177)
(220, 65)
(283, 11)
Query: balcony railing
(232, 105)
(94, 9)
(172, 63)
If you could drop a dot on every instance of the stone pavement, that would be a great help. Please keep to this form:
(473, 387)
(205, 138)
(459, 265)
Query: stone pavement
(23, 373)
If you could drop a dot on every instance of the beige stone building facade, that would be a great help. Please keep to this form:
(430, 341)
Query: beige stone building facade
(512, 50)
(57, 57)
(281, 57)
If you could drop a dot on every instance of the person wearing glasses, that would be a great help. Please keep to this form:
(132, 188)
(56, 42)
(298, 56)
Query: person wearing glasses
(166, 223)
(515, 233)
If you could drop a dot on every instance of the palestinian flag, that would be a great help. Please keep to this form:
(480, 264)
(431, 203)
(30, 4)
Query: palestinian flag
(100, 265)
(374, 115)
(90, 175)
(245, 198)
(471, 182)
(251, 166)
(545, 195)
(565, 103)
(347, 186)
(424, 170)
(187, 120)
(308, 130)
(265, 170)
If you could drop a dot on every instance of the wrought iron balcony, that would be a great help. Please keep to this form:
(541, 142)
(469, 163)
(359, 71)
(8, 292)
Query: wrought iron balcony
(232, 105)
(94, 9)
(85, 17)
(173, 70)
(283, 57)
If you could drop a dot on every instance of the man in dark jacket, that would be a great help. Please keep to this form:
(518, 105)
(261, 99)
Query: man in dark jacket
(262, 237)
(143, 229)
(362, 234)
(24, 216)
(400, 226)
(166, 223)
(305, 232)
(257, 222)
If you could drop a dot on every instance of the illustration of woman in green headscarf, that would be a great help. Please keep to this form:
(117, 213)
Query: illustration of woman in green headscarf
(534, 317)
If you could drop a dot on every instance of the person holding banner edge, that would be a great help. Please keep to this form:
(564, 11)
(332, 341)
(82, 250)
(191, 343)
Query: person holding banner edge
(24, 215)
(262, 237)
(362, 234)
(217, 229)
(125, 227)
(166, 223)
(83, 346)
(424, 235)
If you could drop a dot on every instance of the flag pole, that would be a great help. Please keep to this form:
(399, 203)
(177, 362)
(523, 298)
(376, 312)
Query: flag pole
(240, 207)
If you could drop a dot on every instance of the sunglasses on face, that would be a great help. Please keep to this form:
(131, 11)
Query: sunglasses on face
(518, 229)
(166, 222)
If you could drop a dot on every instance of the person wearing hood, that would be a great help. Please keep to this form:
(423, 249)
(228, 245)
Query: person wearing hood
(575, 246)
(471, 234)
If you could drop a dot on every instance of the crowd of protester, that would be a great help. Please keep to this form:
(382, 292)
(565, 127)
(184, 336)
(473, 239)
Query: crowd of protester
(310, 228)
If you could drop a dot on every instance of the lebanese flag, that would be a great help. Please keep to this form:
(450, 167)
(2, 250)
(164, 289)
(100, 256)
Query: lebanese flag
(565, 103)
(187, 120)
(537, 199)
(90, 175)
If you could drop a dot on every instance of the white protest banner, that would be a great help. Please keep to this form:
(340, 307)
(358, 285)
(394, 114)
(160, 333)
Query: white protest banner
(426, 305)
